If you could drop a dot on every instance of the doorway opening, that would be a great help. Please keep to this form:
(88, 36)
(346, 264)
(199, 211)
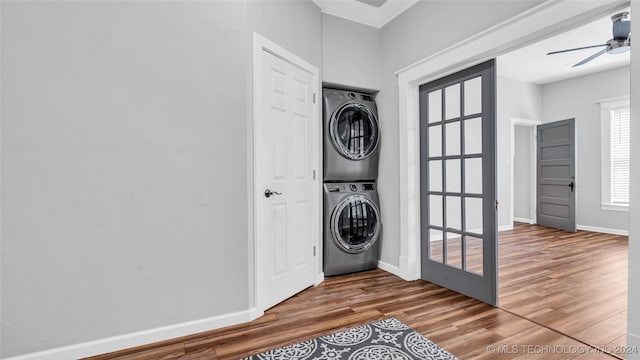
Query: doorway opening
(540, 23)
(523, 169)
(574, 282)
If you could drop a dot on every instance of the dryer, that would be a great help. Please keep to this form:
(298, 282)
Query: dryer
(351, 136)
(352, 227)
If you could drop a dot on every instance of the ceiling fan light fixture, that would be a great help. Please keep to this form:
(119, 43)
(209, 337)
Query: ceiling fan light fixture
(620, 43)
(617, 46)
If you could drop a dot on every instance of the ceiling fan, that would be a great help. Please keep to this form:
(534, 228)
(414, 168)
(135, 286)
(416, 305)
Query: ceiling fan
(620, 43)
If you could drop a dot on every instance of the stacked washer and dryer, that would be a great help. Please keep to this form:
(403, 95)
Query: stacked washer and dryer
(352, 224)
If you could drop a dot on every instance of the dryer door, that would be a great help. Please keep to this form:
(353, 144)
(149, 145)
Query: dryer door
(354, 131)
(355, 224)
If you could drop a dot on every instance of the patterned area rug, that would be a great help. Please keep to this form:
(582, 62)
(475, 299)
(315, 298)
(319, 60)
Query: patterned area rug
(387, 339)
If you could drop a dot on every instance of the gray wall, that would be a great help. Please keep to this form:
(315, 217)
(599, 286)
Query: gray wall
(515, 99)
(522, 172)
(576, 98)
(124, 162)
(350, 53)
(633, 339)
(421, 31)
(296, 25)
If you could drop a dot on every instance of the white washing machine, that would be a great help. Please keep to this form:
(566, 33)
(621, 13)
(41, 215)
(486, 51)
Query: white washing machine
(352, 227)
(351, 136)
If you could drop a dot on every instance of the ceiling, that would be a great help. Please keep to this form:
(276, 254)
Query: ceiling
(531, 64)
(376, 3)
(375, 13)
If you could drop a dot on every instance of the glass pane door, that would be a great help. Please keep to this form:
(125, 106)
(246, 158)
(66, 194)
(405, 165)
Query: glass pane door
(458, 186)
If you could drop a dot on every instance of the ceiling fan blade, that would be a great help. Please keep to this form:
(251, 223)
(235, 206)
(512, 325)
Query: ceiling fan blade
(603, 51)
(580, 48)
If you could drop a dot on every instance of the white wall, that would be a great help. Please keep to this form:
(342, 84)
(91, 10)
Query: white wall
(577, 98)
(421, 31)
(351, 53)
(522, 172)
(124, 162)
(633, 320)
(515, 99)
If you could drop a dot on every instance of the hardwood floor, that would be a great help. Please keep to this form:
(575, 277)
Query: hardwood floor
(459, 324)
(575, 283)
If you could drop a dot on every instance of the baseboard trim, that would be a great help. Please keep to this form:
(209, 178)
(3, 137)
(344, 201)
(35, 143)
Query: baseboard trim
(395, 270)
(603, 230)
(505, 227)
(523, 220)
(254, 313)
(120, 342)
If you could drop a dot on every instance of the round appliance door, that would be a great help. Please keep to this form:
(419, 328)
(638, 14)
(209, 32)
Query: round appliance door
(355, 224)
(354, 131)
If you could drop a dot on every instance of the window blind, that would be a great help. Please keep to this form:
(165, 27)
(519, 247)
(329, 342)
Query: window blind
(620, 140)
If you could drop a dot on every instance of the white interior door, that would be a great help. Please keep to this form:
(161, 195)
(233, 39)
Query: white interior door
(286, 200)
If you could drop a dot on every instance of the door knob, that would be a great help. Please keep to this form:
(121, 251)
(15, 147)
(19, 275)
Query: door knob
(268, 193)
(571, 185)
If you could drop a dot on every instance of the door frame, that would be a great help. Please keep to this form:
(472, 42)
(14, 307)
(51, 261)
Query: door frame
(255, 185)
(541, 21)
(532, 125)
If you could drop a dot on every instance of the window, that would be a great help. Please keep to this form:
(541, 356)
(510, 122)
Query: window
(620, 155)
(616, 119)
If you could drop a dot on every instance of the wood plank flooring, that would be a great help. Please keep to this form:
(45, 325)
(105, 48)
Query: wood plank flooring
(573, 282)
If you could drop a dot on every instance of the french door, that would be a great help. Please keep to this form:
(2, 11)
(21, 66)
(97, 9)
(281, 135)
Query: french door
(458, 182)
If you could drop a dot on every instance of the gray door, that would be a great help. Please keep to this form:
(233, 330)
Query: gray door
(556, 203)
(458, 182)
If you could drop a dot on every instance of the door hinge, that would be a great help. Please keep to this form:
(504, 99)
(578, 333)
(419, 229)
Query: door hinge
(314, 251)
(314, 174)
(496, 204)
(314, 98)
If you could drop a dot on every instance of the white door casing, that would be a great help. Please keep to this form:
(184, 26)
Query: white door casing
(286, 140)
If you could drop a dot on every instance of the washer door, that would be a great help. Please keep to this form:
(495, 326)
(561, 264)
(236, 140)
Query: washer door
(354, 131)
(355, 224)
